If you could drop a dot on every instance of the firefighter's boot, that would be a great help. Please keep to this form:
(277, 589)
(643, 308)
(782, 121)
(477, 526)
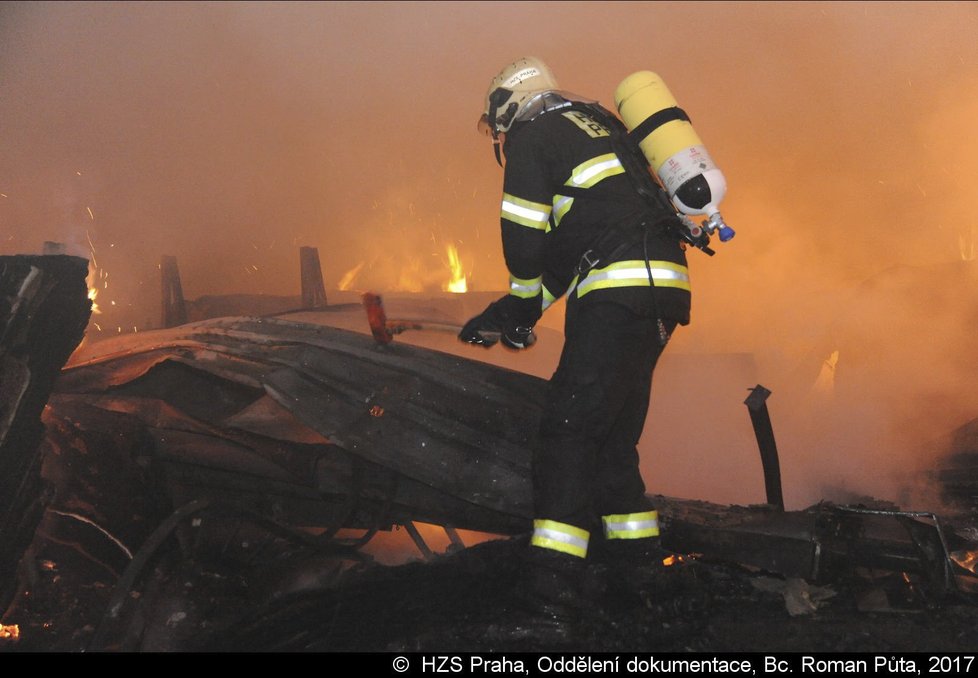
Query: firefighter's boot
(551, 594)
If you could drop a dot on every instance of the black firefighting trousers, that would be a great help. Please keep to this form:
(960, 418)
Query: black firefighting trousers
(587, 464)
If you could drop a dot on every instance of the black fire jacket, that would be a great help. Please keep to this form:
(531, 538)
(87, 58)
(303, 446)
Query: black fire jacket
(565, 193)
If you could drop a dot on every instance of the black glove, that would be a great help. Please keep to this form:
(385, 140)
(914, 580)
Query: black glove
(484, 329)
(498, 322)
(517, 337)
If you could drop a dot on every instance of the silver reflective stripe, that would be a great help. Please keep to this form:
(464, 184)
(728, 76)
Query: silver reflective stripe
(637, 274)
(562, 205)
(625, 273)
(560, 537)
(520, 288)
(548, 298)
(594, 170)
(633, 525)
(525, 214)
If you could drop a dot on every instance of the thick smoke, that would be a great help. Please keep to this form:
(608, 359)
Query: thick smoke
(230, 134)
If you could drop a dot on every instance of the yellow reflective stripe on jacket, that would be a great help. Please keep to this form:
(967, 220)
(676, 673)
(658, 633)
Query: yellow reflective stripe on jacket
(524, 212)
(525, 289)
(548, 297)
(634, 274)
(562, 205)
(631, 525)
(587, 174)
(550, 534)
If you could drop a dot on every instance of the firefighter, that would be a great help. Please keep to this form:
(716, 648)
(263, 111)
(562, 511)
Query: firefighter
(574, 225)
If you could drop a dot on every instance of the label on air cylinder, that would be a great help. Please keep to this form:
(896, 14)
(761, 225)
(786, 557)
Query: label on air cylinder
(683, 166)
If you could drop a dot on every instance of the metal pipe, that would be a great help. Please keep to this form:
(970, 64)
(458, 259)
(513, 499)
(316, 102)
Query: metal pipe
(761, 420)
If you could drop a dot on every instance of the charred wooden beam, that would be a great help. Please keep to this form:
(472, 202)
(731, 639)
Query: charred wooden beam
(311, 273)
(44, 309)
(174, 307)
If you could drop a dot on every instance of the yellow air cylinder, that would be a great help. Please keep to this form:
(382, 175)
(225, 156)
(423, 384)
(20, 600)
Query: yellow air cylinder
(672, 147)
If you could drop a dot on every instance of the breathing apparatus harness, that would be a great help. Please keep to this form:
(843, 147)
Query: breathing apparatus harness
(615, 239)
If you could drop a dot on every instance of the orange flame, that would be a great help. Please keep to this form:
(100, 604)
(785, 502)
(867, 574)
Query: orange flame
(411, 278)
(9, 632)
(92, 290)
(966, 559)
(457, 284)
(676, 559)
(346, 282)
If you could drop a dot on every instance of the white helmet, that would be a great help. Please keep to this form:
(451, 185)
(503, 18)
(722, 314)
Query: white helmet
(511, 91)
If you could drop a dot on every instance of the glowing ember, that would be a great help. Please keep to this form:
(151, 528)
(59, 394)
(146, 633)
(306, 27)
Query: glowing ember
(92, 289)
(457, 284)
(94, 274)
(9, 632)
(966, 559)
(347, 280)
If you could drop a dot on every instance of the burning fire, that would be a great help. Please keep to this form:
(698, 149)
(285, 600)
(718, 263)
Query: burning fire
(411, 278)
(415, 276)
(92, 282)
(9, 632)
(679, 559)
(966, 559)
(457, 284)
(346, 282)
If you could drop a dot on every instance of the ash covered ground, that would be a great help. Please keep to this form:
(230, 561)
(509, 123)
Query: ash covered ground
(467, 601)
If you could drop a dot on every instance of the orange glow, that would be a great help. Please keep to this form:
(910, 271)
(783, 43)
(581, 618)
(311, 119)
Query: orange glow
(9, 632)
(966, 559)
(825, 382)
(457, 284)
(411, 278)
(346, 282)
(966, 244)
(676, 558)
(92, 289)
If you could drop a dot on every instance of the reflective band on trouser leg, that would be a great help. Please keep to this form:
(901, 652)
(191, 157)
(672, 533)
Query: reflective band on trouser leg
(549, 534)
(631, 525)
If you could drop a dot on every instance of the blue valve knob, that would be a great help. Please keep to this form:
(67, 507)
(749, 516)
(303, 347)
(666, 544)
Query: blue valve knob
(716, 223)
